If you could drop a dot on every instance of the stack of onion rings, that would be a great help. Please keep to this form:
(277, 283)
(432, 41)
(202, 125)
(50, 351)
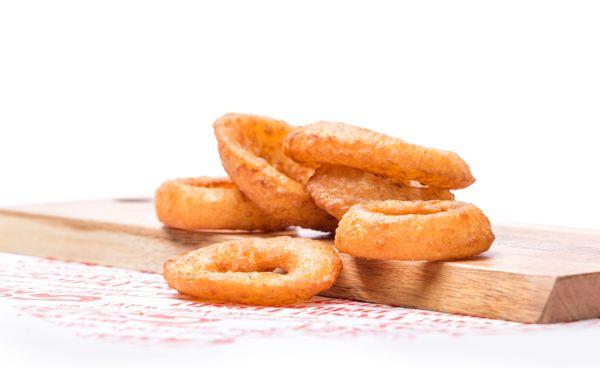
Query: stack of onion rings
(210, 203)
(242, 271)
(392, 198)
(367, 179)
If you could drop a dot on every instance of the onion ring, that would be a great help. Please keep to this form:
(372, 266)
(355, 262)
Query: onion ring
(341, 144)
(242, 271)
(251, 149)
(337, 188)
(210, 203)
(414, 230)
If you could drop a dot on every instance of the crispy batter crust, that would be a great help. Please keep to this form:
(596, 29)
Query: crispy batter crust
(417, 230)
(251, 149)
(242, 271)
(337, 188)
(341, 144)
(210, 203)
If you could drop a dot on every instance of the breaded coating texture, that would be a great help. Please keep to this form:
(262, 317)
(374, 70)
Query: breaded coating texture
(251, 150)
(242, 271)
(342, 144)
(337, 188)
(210, 203)
(416, 230)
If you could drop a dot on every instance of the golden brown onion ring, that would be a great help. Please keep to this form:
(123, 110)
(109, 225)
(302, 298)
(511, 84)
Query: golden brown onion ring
(251, 149)
(342, 144)
(414, 230)
(337, 188)
(242, 271)
(210, 203)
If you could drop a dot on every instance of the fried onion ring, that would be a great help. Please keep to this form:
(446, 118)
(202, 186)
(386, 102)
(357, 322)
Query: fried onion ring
(243, 271)
(251, 149)
(210, 203)
(341, 144)
(414, 230)
(337, 188)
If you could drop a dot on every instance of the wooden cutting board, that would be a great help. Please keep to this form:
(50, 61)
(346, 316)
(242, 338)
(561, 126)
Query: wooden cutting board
(531, 274)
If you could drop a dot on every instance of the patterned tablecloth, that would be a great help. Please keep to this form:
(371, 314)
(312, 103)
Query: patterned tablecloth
(110, 305)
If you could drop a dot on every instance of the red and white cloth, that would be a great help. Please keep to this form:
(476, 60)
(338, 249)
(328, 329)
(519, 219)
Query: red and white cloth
(105, 303)
(129, 308)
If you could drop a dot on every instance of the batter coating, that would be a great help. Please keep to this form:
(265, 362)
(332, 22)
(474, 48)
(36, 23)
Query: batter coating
(251, 149)
(416, 230)
(210, 203)
(341, 144)
(242, 271)
(337, 188)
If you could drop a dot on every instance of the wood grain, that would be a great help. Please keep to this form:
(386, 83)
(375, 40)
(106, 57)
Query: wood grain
(531, 274)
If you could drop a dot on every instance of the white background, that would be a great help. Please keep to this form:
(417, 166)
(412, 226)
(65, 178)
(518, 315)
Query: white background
(110, 98)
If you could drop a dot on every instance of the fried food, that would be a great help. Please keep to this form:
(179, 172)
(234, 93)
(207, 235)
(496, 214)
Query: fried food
(210, 203)
(414, 230)
(251, 149)
(337, 188)
(243, 271)
(342, 144)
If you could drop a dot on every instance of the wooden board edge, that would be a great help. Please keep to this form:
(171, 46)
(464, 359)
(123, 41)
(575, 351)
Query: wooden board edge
(429, 285)
(584, 289)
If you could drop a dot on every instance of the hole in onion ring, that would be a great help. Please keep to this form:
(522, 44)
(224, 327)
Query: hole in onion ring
(216, 184)
(280, 271)
(411, 208)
